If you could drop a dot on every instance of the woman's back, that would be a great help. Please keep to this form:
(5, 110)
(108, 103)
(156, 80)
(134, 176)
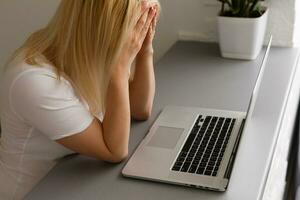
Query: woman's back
(37, 109)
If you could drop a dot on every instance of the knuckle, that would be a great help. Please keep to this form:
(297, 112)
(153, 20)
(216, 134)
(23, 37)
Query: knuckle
(137, 46)
(145, 30)
(140, 26)
(136, 39)
(136, 43)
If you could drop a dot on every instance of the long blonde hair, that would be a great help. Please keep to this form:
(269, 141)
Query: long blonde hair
(82, 41)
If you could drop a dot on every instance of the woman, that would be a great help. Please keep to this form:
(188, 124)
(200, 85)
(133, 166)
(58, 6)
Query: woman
(68, 89)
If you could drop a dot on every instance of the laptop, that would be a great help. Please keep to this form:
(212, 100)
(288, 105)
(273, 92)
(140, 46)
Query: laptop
(193, 147)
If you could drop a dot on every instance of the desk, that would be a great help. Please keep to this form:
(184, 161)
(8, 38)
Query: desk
(193, 74)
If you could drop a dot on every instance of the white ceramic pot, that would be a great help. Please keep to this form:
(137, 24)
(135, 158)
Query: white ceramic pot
(242, 38)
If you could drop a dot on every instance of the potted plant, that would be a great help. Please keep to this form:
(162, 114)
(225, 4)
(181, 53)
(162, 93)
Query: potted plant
(242, 26)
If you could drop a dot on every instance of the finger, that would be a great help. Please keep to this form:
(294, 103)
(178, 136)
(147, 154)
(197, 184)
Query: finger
(144, 6)
(152, 29)
(149, 34)
(154, 22)
(148, 22)
(153, 2)
(141, 22)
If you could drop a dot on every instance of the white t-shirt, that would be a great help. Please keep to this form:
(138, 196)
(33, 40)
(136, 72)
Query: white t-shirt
(36, 109)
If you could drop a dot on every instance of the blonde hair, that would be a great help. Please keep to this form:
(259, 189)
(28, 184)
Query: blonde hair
(82, 41)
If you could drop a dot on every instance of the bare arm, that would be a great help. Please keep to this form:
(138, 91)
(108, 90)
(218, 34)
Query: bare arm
(142, 87)
(109, 140)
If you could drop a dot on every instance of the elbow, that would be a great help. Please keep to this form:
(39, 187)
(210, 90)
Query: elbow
(142, 115)
(118, 157)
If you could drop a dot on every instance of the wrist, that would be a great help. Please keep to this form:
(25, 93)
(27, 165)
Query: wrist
(120, 72)
(144, 54)
(146, 50)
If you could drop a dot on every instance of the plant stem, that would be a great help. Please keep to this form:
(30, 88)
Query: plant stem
(223, 8)
(255, 2)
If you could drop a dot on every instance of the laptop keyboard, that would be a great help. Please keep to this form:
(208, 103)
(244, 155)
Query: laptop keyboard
(204, 148)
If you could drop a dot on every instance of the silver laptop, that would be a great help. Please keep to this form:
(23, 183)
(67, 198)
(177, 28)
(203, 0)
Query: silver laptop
(192, 146)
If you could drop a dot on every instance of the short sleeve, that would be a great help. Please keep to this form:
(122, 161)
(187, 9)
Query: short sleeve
(48, 104)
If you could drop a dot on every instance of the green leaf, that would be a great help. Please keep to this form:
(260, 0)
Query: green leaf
(235, 4)
(253, 6)
(241, 8)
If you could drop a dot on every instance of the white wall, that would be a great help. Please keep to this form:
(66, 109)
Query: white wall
(184, 19)
(197, 20)
(18, 19)
(297, 24)
(167, 28)
(282, 21)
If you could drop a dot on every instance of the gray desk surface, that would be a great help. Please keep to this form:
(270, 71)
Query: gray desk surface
(192, 74)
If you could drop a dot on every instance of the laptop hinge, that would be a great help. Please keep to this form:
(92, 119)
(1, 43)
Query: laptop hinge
(234, 151)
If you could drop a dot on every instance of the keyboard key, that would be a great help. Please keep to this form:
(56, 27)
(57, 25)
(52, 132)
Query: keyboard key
(196, 162)
(185, 167)
(200, 170)
(193, 150)
(209, 168)
(233, 121)
(213, 158)
(228, 120)
(191, 154)
(202, 164)
(178, 163)
(211, 143)
(215, 153)
(206, 156)
(180, 159)
(211, 163)
(201, 150)
(208, 173)
(182, 154)
(189, 159)
(197, 157)
(204, 160)
(209, 130)
(210, 147)
(176, 168)
(197, 143)
(194, 131)
(208, 152)
(193, 169)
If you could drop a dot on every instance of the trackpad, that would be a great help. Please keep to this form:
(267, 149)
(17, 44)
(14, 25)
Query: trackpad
(165, 137)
